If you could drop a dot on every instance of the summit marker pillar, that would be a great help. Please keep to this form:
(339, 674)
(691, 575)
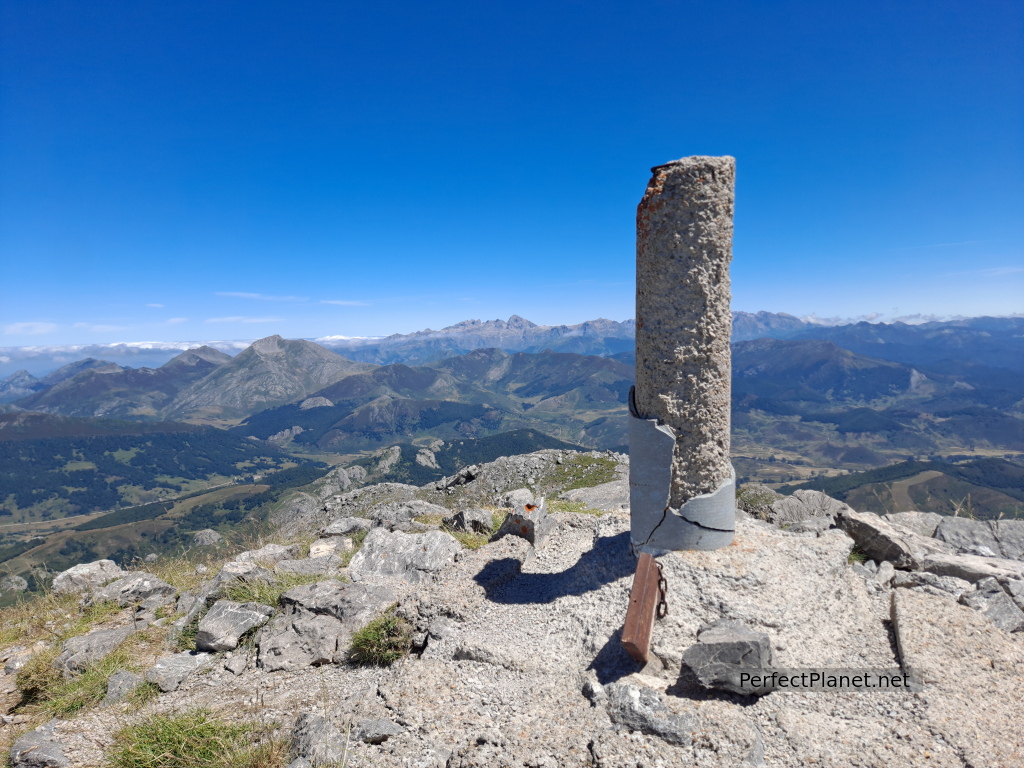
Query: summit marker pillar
(682, 483)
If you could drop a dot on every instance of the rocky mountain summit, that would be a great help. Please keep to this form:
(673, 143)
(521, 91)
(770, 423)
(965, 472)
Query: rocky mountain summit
(502, 591)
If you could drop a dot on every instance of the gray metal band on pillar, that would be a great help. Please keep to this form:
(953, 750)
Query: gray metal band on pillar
(682, 483)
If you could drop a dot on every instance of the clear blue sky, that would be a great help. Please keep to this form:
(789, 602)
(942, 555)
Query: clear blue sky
(198, 170)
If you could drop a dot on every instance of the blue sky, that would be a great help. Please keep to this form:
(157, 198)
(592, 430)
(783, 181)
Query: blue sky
(229, 170)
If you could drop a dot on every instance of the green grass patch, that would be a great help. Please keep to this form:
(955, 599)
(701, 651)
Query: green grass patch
(579, 472)
(383, 641)
(578, 507)
(269, 592)
(193, 739)
(45, 689)
(474, 540)
(856, 556)
(357, 538)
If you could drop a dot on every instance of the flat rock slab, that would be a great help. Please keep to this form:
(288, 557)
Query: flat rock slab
(968, 536)
(921, 523)
(137, 587)
(79, 652)
(86, 577)
(169, 672)
(39, 749)
(412, 558)
(225, 623)
(311, 566)
(971, 672)
(973, 568)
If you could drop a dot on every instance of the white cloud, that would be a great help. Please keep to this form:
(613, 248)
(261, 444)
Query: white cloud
(29, 329)
(156, 306)
(342, 303)
(177, 320)
(240, 319)
(259, 296)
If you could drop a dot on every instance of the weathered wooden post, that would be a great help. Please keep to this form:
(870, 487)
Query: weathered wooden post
(682, 484)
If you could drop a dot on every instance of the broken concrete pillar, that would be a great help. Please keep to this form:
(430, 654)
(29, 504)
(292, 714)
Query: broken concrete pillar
(682, 484)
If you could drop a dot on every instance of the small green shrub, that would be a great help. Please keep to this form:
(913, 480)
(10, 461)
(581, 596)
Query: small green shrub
(856, 556)
(383, 641)
(193, 739)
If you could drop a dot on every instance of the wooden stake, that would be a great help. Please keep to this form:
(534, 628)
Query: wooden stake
(644, 599)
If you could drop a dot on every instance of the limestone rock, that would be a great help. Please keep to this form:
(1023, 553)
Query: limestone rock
(412, 558)
(881, 541)
(970, 672)
(377, 731)
(968, 536)
(725, 649)
(120, 685)
(39, 749)
(324, 547)
(641, 709)
(13, 584)
(311, 566)
(269, 555)
(317, 740)
(1010, 535)
(135, 588)
(518, 497)
(973, 568)
(948, 586)
(230, 573)
(171, 671)
(317, 622)
(346, 526)
(237, 664)
(471, 520)
(805, 505)
(531, 522)
(225, 623)
(393, 515)
(79, 652)
(206, 538)
(995, 604)
(921, 523)
(86, 577)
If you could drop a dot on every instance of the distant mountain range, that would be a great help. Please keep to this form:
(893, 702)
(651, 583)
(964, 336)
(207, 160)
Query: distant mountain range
(985, 341)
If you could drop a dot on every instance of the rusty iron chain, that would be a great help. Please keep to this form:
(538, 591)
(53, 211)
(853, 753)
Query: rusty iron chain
(662, 610)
